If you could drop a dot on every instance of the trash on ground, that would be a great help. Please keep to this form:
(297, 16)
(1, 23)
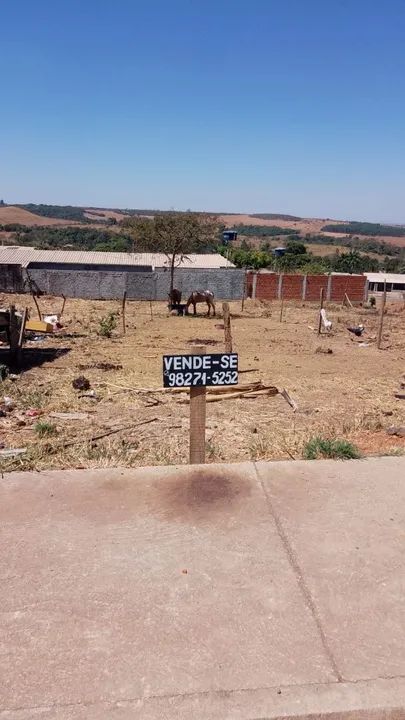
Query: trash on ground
(33, 412)
(8, 403)
(325, 351)
(325, 322)
(91, 394)
(100, 366)
(356, 330)
(52, 320)
(39, 326)
(81, 383)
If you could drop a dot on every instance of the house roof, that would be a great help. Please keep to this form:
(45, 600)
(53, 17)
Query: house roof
(21, 255)
(388, 277)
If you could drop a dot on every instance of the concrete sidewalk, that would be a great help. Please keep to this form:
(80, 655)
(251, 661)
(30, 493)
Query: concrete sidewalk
(232, 592)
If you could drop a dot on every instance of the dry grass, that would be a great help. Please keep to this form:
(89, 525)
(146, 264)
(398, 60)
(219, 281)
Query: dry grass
(346, 394)
(11, 214)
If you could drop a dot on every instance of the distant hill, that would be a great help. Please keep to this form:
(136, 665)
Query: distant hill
(17, 214)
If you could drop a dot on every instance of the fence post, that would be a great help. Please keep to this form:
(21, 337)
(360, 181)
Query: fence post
(329, 288)
(320, 308)
(280, 286)
(380, 327)
(254, 285)
(304, 286)
(227, 327)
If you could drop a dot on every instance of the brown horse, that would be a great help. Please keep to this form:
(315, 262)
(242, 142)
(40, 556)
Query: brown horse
(204, 296)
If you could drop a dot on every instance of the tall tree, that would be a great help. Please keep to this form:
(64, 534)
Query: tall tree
(176, 234)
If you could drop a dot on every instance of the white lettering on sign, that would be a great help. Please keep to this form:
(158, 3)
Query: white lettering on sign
(194, 370)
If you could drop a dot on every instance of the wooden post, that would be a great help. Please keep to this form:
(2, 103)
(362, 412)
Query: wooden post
(380, 327)
(320, 316)
(63, 306)
(151, 309)
(37, 306)
(282, 305)
(197, 419)
(227, 327)
(14, 336)
(124, 299)
(21, 336)
(244, 291)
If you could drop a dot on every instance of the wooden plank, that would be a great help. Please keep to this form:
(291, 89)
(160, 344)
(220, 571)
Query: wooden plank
(198, 397)
(227, 327)
(380, 327)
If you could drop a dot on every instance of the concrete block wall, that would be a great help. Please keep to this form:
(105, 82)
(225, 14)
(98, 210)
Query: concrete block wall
(225, 284)
(11, 279)
(109, 285)
(270, 286)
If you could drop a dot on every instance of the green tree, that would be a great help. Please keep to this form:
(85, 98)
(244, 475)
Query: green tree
(176, 234)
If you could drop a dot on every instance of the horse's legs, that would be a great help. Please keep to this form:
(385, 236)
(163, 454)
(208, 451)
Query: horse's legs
(213, 307)
(195, 308)
(209, 307)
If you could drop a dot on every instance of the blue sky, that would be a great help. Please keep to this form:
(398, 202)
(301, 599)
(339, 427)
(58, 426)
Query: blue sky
(222, 105)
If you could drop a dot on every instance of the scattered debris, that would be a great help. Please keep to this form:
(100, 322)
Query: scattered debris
(81, 383)
(101, 366)
(325, 351)
(387, 413)
(398, 430)
(364, 344)
(400, 395)
(357, 330)
(8, 403)
(12, 452)
(91, 394)
(33, 412)
(13, 377)
(69, 415)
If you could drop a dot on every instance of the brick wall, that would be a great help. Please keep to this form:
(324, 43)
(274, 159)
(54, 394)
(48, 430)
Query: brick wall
(353, 285)
(314, 285)
(292, 287)
(267, 285)
(296, 287)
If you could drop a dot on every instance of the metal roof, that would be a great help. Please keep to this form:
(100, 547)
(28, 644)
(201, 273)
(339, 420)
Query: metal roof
(21, 255)
(388, 277)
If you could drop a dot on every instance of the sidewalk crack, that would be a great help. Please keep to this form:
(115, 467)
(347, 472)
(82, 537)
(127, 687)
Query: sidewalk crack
(293, 560)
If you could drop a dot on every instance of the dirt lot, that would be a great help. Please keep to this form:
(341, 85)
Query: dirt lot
(348, 393)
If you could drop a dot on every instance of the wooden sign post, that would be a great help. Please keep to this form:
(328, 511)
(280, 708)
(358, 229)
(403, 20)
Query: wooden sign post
(380, 327)
(196, 371)
(198, 412)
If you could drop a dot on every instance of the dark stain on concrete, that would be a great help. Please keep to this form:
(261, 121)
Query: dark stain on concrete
(200, 493)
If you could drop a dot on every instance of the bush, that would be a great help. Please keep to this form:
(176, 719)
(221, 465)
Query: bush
(107, 325)
(318, 447)
(373, 301)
